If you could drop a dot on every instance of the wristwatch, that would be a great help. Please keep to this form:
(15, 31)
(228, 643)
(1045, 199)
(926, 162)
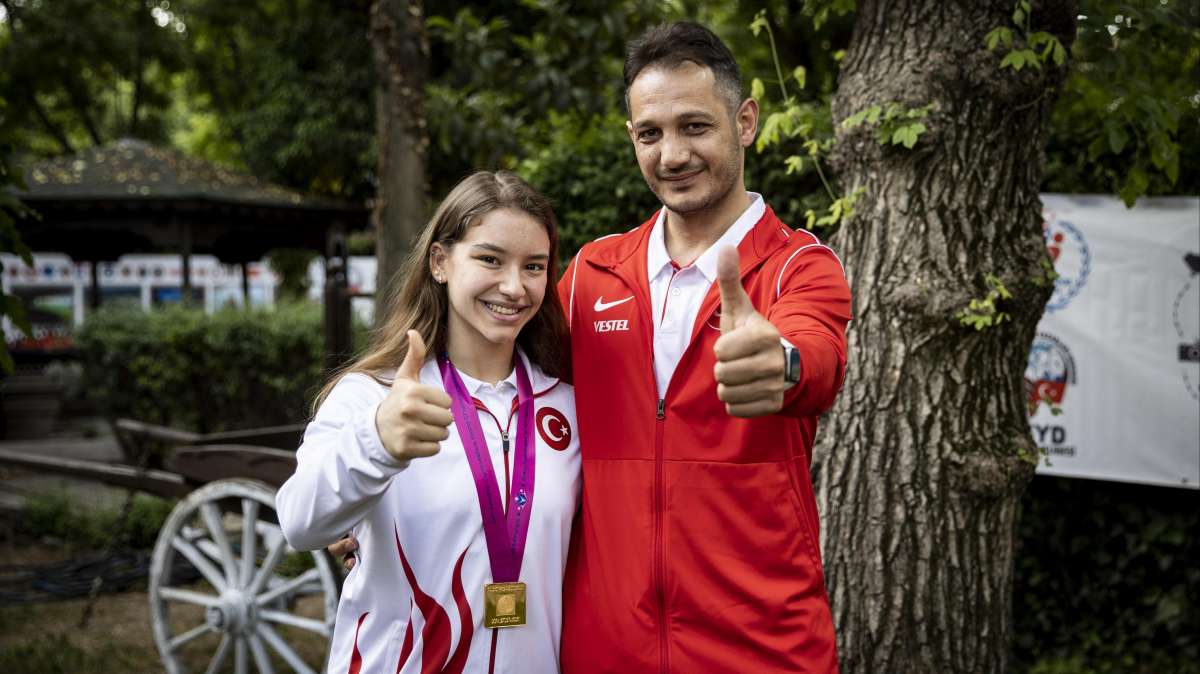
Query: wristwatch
(791, 363)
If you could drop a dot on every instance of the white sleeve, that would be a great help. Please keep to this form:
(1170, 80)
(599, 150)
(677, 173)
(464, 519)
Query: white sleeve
(342, 468)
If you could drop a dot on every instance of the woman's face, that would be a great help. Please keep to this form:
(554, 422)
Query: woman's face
(495, 279)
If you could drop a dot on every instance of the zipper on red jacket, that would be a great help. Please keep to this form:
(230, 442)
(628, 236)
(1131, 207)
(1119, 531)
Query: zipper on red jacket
(660, 498)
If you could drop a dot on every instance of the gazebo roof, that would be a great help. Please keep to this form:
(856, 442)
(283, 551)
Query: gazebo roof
(134, 169)
(131, 196)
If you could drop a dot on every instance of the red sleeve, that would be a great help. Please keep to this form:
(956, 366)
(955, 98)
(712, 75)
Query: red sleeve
(566, 286)
(811, 312)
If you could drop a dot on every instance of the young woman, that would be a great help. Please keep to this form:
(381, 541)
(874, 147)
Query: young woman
(447, 451)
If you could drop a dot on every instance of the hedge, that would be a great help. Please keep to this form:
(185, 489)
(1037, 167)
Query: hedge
(178, 367)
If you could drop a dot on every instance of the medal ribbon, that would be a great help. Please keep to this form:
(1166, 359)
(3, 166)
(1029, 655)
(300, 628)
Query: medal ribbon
(505, 533)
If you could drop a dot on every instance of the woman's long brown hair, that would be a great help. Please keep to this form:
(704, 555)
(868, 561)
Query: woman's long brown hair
(414, 301)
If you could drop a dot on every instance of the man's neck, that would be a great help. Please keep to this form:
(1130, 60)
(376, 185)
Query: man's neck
(688, 236)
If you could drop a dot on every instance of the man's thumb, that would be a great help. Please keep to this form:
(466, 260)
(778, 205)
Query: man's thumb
(414, 359)
(734, 300)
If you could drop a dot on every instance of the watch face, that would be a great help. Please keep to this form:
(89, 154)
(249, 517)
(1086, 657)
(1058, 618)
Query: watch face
(791, 371)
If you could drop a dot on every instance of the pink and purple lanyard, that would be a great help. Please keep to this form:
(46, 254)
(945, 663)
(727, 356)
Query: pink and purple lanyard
(504, 531)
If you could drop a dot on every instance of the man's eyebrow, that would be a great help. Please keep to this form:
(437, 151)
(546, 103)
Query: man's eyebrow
(689, 116)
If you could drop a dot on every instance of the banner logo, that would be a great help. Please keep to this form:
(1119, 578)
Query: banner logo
(553, 428)
(1050, 369)
(1185, 314)
(1072, 261)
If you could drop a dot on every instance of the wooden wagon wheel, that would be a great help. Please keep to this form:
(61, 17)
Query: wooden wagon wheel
(227, 593)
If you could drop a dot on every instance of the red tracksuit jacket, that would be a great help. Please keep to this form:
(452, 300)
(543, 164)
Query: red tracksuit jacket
(697, 546)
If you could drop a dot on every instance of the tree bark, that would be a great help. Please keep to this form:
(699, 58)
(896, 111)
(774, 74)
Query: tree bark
(402, 67)
(922, 462)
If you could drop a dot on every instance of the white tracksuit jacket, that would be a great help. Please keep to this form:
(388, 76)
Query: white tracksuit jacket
(417, 587)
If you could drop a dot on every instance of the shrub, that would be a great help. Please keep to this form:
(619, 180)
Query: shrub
(1106, 581)
(585, 165)
(179, 367)
(54, 515)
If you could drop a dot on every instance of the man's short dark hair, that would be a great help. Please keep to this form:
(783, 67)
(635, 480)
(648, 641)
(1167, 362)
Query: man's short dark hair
(671, 44)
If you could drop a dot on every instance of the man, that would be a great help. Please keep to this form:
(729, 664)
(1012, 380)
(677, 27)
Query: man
(699, 374)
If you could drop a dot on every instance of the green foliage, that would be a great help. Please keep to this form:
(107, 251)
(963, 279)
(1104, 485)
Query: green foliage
(1129, 109)
(178, 367)
(85, 72)
(587, 168)
(894, 124)
(54, 515)
(1023, 49)
(1105, 579)
(291, 264)
(11, 209)
(499, 70)
(804, 122)
(284, 89)
(985, 313)
(822, 10)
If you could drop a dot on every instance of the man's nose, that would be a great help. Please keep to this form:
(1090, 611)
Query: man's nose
(676, 152)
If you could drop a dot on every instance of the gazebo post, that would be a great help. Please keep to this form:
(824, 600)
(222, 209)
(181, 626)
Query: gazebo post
(185, 237)
(94, 295)
(337, 299)
(245, 265)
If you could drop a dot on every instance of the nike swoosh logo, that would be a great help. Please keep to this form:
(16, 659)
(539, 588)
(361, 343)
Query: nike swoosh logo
(601, 305)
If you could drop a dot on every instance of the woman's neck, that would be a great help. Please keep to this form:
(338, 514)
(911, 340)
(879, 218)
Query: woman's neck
(492, 363)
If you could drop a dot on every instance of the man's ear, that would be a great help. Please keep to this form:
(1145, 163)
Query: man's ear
(629, 130)
(747, 121)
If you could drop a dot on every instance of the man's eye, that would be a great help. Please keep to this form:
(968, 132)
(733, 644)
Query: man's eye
(695, 127)
(648, 134)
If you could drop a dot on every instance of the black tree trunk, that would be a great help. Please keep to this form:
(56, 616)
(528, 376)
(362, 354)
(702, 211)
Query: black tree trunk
(922, 462)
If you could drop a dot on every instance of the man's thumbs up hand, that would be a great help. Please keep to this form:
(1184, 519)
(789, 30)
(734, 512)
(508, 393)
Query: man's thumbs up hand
(414, 417)
(750, 364)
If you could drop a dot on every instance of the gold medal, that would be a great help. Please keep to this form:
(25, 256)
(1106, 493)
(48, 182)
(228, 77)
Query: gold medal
(503, 605)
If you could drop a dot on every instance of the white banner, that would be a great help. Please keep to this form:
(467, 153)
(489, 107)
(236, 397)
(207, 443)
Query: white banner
(1114, 373)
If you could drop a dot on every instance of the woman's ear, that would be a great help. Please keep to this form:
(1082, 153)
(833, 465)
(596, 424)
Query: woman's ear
(437, 262)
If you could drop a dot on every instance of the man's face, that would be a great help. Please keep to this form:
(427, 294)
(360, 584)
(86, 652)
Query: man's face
(688, 143)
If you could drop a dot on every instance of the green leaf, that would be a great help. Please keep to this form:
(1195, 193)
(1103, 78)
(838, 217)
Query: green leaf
(1117, 137)
(800, 75)
(1097, 147)
(759, 23)
(813, 148)
(1060, 53)
(757, 89)
(855, 119)
(992, 40)
(873, 114)
(1135, 186)
(1014, 60)
(1018, 16)
(810, 219)
(1031, 58)
(794, 163)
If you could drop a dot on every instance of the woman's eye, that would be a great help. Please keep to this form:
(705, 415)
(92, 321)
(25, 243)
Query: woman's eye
(488, 259)
(536, 266)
